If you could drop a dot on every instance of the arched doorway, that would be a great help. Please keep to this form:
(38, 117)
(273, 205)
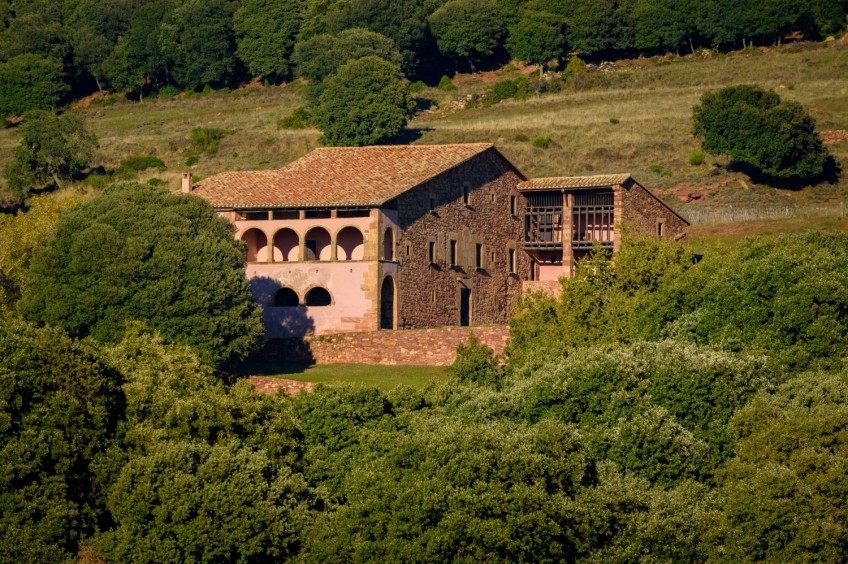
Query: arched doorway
(350, 244)
(286, 245)
(387, 304)
(317, 244)
(257, 245)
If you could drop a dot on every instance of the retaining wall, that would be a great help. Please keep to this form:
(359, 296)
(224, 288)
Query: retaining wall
(429, 347)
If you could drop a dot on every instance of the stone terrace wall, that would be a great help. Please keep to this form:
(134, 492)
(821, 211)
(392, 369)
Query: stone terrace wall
(429, 347)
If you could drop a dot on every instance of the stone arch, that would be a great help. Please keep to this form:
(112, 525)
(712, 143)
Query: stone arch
(286, 245)
(257, 245)
(389, 244)
(387, 303)
(318, 296)
(317, 244)
(286, 297)
(350, 244)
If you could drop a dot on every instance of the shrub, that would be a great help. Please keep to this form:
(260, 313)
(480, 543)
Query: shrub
(445, 84)
(168, 92)
(502, 90)
(207, 139)
(542, 142)
(574, 67)
(138, 164)
(192, 160)
(657, 168)
(696, 158)
(475, 362)
(300, 118)
(614, 121)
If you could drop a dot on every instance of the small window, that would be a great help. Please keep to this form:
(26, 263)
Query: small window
(512, 261)
(432, 203)
(407, 249)
(659, 229)
(431, 251)
(492, 198)
(318, 297)
(478, 256)
(434, 296)
(512, 205)
(466, 195)
(452, 252)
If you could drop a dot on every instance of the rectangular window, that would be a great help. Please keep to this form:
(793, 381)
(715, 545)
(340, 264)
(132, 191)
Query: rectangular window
(431, 251)
(432, 203)
(512, 205)
(466, 195)
(286, 214)
(478, 256)
(452, 252)
(511, 261)
(408, 248)
(659, 229)
(318, 214)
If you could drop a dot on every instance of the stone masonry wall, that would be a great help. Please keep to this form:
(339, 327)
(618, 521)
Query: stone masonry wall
(428, 347)
(429, 292)
(642, 212)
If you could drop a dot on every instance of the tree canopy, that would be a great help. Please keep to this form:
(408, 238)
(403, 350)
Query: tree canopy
(30, 82)
(755, 127)
(139, 253)
(265, 35)
(365, 102)
(53, 147)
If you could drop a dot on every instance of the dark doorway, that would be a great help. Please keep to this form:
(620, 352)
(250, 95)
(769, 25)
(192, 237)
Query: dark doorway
(464, 307)
(387, 304)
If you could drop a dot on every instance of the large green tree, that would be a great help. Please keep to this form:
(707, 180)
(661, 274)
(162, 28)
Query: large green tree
(402, 21)
(468, 30)
(265, 34)
(365, 102)
(755, 127)
(198, 40)
(60, 406)
(30, 82)
(53, 148)
(538, 37)
(321, 55)
(140, 253)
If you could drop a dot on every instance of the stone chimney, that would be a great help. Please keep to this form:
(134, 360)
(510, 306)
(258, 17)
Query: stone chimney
(187, 186)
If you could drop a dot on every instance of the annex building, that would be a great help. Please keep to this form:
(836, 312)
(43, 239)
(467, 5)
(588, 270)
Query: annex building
(365, 238)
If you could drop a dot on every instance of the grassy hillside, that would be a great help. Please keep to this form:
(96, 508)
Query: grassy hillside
(634, 116)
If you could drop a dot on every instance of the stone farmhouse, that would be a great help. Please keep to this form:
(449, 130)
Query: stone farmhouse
(364, 238)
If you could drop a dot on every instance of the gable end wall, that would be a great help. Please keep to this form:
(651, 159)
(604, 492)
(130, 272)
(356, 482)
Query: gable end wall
(491, 181)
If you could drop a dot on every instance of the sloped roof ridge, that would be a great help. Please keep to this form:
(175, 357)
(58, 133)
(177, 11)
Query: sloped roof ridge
(586, 181)
(338, 176)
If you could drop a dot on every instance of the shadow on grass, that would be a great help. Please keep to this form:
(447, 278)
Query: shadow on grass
(830, 174)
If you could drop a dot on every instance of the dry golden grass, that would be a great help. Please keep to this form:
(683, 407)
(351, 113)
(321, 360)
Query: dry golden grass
(650, 102)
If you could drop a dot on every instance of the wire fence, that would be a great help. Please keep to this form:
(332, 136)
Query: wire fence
(732, 214)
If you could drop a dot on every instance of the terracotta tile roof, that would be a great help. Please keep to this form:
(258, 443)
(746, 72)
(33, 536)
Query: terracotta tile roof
(337, 177)
(573, 182)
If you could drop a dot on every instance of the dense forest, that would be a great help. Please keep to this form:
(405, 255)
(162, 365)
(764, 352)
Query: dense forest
(51, 52)
(662, 408)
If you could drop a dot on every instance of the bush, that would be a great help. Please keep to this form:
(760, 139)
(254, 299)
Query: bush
(756, 128)
(207, 139)
(138, 164)
(476, 362)
(784, 296)
(542, 142)
(696, 158)
(300, 118)
(574, 67)
(445, 84)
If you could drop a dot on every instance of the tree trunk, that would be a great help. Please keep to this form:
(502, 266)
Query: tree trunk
(56, 179)
(97, 82)
(691, 46)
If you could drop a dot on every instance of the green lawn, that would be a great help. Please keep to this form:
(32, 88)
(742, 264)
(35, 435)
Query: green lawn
(379, 376)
